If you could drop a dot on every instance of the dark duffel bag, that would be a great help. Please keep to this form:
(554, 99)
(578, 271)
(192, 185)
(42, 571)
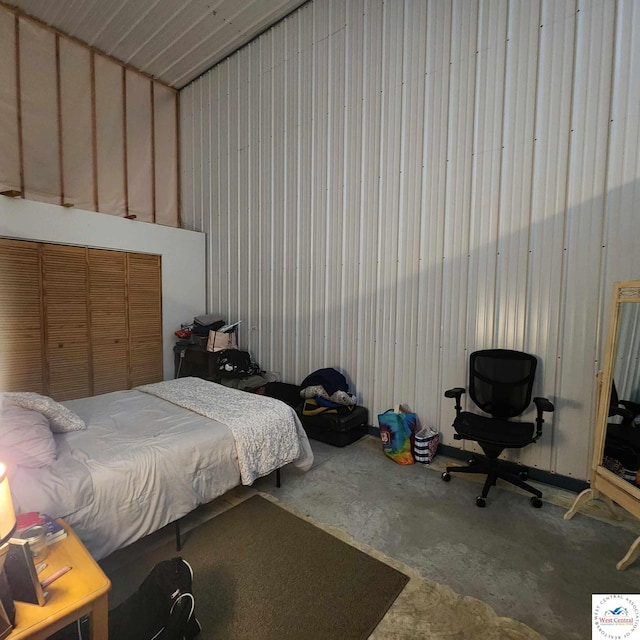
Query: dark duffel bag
(288, 393)
(233, 363)
(336, 428)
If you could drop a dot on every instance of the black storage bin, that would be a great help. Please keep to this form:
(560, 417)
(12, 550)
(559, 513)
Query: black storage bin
(337, 429)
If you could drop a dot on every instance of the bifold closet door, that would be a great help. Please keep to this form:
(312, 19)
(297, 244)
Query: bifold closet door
(65, 286)
(77, 321)
(22, 366)
(109, 320)
(145, 318)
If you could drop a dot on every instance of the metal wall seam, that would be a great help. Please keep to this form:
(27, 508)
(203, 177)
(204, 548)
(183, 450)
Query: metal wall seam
(410, 196)
(318, 203)
(265, 210)
(487, 162)
(279, 213)
(243, 190)
(286, 322)
(251, 297)
(387, 284)
(305, 94)
(215, 289)
(367, 336)
(351, 193)
(225, 186)
(515, 183)
(334, 161)
(431, 292)
(458, 192)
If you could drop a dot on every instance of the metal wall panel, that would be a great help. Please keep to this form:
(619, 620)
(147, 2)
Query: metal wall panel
(548, 225)
(392, 185)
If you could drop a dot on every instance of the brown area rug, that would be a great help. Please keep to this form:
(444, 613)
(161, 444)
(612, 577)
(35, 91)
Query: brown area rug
(261, 572)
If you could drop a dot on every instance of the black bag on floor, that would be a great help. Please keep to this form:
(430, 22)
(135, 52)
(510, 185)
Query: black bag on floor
(233, 363)
(161, 609)
(335, 428)
(288, 393)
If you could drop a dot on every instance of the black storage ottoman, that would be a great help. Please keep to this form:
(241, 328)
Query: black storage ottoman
(337, 429)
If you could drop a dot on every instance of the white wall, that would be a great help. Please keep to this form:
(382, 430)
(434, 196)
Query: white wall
(388, 186)
(183, 256)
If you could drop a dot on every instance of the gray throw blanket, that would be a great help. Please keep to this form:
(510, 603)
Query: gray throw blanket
(265, 429)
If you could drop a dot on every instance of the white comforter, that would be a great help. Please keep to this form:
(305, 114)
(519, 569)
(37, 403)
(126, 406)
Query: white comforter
(142, 463)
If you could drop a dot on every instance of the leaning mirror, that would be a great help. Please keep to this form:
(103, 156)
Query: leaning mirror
(615, 469)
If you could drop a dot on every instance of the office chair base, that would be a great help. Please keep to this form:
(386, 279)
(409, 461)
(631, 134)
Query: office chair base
(493, 472)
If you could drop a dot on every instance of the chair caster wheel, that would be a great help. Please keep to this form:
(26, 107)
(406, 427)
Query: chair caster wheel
(523, 475)
(446, 476)
(536, 502)
(481, 502)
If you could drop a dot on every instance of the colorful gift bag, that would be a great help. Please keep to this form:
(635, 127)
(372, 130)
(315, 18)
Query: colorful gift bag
(397, 427)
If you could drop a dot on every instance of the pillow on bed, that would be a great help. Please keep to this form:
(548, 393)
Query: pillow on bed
(60, 418)
(25, 438)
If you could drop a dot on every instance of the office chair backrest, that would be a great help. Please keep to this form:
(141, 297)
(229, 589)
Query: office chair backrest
(501, 381)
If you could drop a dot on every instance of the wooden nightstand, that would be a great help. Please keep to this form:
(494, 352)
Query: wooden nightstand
(81, 591)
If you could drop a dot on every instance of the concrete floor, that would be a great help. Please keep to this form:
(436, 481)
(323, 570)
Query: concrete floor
(527, 564)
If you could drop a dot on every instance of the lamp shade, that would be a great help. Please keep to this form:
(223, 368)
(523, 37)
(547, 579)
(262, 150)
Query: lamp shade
(7, 514)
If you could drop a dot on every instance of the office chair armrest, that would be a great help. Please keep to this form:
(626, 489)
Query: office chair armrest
(625, 414)
(634, 407)
(456, 393)
(543, 404)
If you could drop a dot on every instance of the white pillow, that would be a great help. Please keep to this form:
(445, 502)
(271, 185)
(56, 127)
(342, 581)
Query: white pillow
(25, 438)
(60, 418)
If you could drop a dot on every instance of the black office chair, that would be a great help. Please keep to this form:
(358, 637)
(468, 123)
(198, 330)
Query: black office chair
(622, 442)
(500, 384)
(625, 409)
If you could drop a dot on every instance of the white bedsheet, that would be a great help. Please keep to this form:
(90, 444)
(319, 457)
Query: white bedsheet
(141, 463)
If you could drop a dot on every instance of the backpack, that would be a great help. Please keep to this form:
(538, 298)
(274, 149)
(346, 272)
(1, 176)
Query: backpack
(162, 608)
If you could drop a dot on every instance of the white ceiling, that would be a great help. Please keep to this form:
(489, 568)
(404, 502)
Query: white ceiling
(172, 40)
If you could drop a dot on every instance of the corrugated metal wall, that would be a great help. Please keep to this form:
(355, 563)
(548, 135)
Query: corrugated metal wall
(388, 186)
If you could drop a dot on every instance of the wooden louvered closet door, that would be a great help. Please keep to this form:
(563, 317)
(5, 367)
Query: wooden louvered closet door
(145, 318)
(109, 320)
(65, 287)
(22, 363)
(76, 321)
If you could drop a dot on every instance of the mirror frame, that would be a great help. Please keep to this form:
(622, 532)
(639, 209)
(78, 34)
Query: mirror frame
(623, 293)
(606, 485)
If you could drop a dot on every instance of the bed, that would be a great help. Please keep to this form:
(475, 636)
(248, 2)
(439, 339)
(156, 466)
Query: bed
(127, 463)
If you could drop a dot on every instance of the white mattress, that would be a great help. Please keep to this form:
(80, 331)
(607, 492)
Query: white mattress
(141, 463)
